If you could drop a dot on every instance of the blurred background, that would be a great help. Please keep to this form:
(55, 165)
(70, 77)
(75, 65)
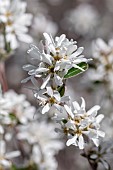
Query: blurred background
(81, 20)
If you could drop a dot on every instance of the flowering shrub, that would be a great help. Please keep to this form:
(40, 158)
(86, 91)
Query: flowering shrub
(31, 137)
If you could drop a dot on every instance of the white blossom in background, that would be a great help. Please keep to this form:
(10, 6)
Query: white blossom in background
(14, 104)
(54, 60)
(83, 19)
(16, 21)
(103, 55)
(20, 107)
(47, 25)
(45, 143)
(5, 157)
(101, 155)
(80, 123)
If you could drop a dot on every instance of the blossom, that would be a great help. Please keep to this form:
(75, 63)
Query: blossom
(45, 143)
(47, 25)
(103, 154)
(83, 19)
(103, 55)
(54, 59)
(12, 104)
(80, 123)
(50, 99)
(5, 158)
(16, 21)
(20, 107)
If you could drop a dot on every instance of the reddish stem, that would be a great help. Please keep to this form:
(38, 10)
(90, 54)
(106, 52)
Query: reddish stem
(3, 80)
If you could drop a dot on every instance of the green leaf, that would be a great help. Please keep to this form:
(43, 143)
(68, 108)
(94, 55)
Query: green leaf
(61, 90)
(12, 116)
(30, 167)
(64, 121)
(75, 71)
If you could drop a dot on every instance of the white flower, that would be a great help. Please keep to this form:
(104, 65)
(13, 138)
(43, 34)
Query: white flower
(81, 123)
(5, 158)
(54, 59)
(47, 25)
(47, 162)
(45, 142)
(19, 106)
(103, 54)
(16, 21)
(50, 99)
(83, 19)
(16, 105)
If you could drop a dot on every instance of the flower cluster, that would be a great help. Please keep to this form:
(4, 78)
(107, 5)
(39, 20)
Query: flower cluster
(79, 124)
(14, 23)
(101, 155)
(54, 61)
(45, 143)
(17, 125)
(83, 19)
(103, 55)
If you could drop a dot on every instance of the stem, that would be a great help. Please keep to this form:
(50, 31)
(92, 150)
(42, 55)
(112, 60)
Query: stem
(93, 165)
(3, 80)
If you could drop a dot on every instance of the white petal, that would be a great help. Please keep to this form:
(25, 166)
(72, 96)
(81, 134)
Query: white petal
(41, 70)
(99, 118)
(76, 105)
(71, 141)
(71, 49)
(83, 105)
(93, 110)
(69, 111)
(96, 141)
(46, 80)
(58, 80)
(12, 154)
(46, 108)
(2, 147)
(61, 39)
(47, 58)
(49, 91)
(57, 96)
(81, 142)
(77, 53)
(101, 133)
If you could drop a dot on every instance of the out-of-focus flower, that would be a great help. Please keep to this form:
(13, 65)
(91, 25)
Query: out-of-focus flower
(103, 154)
(17, 106)
(103, 55)
(83, 19)
(20, 107)
(15, 21)
(47, 25)
(54, 59)
(45, 143)
(5, 158)
(48, 162)
(80, 123)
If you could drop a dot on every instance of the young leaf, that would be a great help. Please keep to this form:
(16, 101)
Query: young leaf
(61, 90)
(75, 71)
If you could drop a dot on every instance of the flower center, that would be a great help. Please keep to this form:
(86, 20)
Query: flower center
(8, 14)
(52, 100)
